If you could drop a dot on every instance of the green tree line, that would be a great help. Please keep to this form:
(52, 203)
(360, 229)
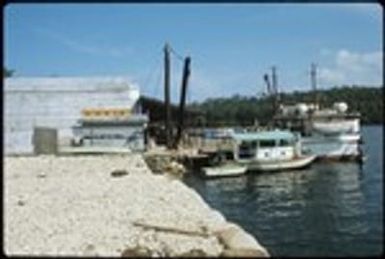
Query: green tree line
(244, 110)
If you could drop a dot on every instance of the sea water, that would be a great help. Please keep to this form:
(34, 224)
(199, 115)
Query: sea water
(329, 209)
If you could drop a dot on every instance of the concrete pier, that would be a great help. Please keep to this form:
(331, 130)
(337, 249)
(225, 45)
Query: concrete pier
(110, 205)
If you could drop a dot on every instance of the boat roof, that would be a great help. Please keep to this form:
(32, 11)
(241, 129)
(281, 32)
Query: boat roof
(264, 135)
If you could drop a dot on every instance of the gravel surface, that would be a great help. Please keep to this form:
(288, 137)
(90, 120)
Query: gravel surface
(73, 205)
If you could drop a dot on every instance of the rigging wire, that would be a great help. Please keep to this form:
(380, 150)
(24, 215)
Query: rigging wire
(157, 82)
(158, 79)
(177, 55)
(152, 71)
(180, 58)
(178, 67)
(188, 95)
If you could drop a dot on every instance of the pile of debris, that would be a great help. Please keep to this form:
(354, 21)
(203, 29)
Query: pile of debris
(161, 163)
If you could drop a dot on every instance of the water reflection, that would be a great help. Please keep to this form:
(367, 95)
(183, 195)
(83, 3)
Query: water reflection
(288, 211)
(330, 209)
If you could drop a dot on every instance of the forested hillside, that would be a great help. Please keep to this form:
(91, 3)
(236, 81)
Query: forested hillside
(242, 110)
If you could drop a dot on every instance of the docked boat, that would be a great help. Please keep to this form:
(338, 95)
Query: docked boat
(226, 169)
(334, 127)
(329, 133)
(274, 150)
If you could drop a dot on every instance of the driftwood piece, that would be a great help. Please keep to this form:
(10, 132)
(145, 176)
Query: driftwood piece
(172, 229)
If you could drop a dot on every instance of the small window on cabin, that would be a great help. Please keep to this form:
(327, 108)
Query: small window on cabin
(246, 150)
(284, 143)
(266, 143)
(245, 146)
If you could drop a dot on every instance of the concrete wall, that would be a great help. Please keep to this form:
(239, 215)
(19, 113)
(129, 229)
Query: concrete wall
(56, 102)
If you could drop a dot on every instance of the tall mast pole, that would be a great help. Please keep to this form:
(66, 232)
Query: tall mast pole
(313, 75)
(275, 87)
(268, 87)
(167, 93)
(182, 104)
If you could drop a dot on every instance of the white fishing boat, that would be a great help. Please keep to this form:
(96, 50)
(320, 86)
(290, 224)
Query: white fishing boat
(334, 127)
(270, 151)
(279, 165)
(330, 133)
(226, 169)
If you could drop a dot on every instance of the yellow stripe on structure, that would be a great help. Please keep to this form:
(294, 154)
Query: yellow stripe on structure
(105, 112)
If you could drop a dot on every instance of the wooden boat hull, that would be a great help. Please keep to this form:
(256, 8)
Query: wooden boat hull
(278, 165)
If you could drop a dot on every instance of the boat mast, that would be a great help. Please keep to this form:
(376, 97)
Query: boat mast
(313, 79)
(270, 92)
(167, 93)
(274, 80)
(268, 87)
(182, 104)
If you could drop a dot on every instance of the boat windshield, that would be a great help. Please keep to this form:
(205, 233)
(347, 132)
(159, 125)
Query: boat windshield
(285, 143)
(266, 143)
(247, 149)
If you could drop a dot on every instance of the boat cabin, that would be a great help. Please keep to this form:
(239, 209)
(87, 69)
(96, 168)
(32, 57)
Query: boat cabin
(309, 119)
(265, 145)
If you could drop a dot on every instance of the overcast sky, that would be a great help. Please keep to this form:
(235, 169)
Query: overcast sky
(231, 45)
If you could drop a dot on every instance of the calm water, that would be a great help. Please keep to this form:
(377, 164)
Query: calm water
(330, 209)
